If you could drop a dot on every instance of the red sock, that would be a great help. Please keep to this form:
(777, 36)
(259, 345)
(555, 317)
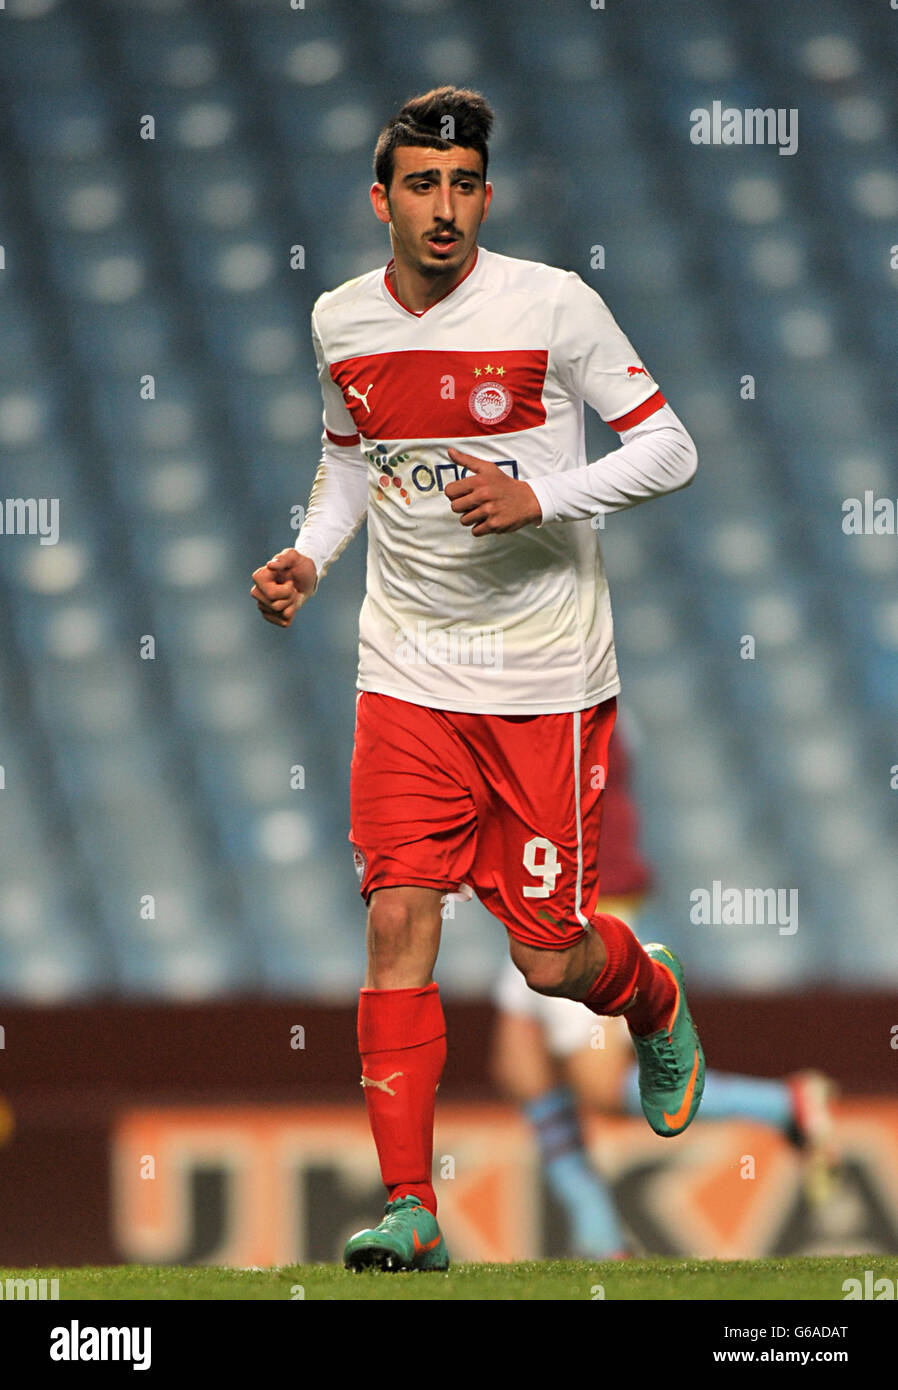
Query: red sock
(402, 1041)
(629, 974)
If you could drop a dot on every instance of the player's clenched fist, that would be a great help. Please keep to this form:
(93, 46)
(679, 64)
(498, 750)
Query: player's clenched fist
(489, 500)
(281, 587)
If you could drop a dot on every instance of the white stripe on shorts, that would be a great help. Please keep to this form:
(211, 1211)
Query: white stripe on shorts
(584, 921)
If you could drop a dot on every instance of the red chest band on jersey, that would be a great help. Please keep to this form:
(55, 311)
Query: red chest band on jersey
(443, 394)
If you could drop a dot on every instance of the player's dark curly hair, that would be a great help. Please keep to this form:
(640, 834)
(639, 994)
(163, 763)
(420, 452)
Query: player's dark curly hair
(421, 120)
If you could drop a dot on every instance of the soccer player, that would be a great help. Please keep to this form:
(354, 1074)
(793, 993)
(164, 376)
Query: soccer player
(558, 1063)
(454, 382)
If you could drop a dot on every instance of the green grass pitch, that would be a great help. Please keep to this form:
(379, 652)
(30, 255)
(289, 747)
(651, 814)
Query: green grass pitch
(804, 1277)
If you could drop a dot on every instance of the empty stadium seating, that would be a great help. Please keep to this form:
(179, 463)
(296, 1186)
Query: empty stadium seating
(174, 813)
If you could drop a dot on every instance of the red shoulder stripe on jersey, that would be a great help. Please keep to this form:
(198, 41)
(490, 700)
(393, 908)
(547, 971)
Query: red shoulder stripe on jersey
(638, 413)
(344, 439)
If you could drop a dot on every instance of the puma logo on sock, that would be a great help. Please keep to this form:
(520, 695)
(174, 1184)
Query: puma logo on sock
(382, 1085)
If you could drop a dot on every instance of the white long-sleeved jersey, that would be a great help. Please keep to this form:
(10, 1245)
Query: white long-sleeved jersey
(499, 368)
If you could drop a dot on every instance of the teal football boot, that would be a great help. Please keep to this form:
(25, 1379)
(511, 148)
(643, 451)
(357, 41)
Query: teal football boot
(671, 1062)
(407, 1238)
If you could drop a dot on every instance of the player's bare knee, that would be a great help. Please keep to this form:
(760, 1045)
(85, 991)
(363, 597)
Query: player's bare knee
(403, 938)
(389, 918)
(396, 920)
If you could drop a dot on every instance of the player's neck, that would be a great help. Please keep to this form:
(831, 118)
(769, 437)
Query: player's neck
(418, 292)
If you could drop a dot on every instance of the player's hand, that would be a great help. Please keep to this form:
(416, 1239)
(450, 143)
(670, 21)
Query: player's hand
(489, 500)
(281, 587)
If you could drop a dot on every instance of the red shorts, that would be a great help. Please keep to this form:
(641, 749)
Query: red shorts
(508, 806)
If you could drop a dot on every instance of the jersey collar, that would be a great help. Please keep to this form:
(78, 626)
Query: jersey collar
(393, 297)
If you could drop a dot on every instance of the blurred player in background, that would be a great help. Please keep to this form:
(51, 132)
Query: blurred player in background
(454, 381)
(559, 1064)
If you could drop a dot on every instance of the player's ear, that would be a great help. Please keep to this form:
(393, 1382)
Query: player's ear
(381, 203)
(487, 199)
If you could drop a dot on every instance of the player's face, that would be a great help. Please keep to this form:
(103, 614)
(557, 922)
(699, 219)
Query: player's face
(436, 203)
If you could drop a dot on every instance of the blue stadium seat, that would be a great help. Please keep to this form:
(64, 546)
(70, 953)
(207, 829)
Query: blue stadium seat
(49, 53)
(125, 340)
(75, 125)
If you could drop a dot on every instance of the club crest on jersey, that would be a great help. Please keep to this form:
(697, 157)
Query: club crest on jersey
(490, 402)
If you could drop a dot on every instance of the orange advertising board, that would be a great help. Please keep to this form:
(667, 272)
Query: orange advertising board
(268, 1185)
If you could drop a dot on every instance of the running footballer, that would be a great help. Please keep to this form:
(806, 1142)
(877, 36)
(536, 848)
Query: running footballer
(454, 382)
